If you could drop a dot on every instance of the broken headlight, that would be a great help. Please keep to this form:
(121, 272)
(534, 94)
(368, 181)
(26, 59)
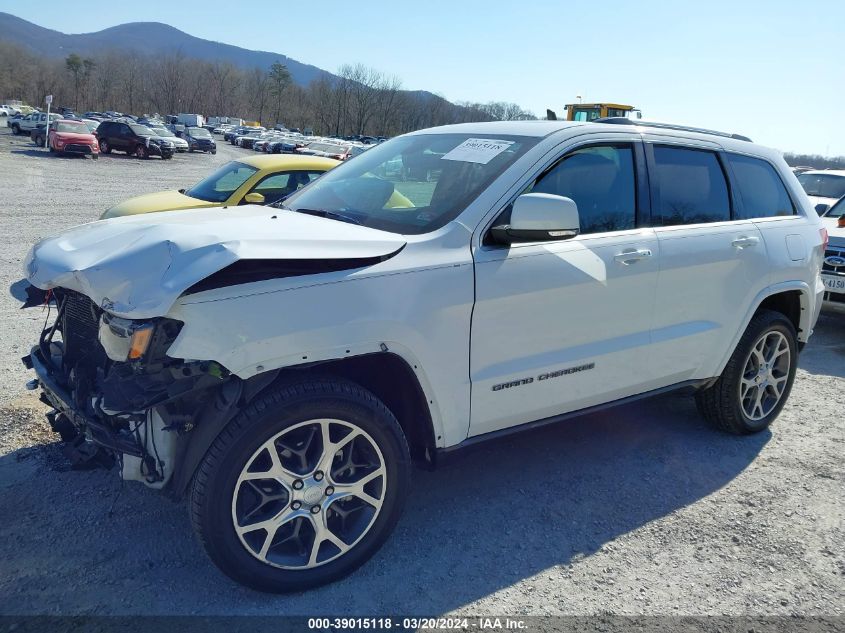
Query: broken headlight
(124, 339)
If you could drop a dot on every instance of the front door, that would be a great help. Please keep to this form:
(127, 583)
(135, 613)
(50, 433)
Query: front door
(563, 325)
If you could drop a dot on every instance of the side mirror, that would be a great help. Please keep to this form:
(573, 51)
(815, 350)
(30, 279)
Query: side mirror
(539, 217)
(822, 208)
(254, 198)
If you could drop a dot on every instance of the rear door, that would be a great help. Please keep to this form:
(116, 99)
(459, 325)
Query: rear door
(563, 325)
(713, 262)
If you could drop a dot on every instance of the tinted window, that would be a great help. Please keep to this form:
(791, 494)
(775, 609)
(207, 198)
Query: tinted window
(601, 182)
(761, 189)
(692, 187)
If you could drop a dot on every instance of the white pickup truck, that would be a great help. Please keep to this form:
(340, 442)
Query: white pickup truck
(27, 124)
(287, 364)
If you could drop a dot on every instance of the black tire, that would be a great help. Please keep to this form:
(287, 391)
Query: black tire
(16, 130)
(105, 148)
(281, 408)
(141, 151)
(95, 156)
(720, 403)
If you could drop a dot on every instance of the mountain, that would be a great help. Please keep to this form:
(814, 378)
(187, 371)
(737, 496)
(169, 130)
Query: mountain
(145, 38)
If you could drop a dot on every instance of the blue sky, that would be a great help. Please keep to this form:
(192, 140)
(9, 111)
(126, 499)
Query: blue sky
(767, 69)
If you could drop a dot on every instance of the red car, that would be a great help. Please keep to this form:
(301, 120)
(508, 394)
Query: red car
(72, 137)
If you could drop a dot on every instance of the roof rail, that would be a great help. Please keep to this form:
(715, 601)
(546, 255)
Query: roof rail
(621, 120)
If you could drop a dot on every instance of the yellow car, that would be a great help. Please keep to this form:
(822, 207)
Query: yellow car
(261, 179)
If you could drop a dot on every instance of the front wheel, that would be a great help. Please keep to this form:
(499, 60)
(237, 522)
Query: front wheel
(104, 147)
(302, 487)
(758, 378)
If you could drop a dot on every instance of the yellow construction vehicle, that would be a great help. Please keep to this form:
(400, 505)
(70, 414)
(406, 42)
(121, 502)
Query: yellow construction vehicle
(593, 111)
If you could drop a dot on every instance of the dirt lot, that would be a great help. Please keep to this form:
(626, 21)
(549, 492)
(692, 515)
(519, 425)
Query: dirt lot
(641, 509)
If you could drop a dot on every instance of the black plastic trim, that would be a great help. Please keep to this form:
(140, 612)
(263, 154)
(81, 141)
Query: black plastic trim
(444, 455)
(246, 271)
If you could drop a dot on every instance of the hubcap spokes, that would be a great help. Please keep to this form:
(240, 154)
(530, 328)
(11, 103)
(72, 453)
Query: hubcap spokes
(765, 375)
(309, 494)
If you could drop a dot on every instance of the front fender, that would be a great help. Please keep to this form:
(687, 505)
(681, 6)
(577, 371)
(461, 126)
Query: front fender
(423, 316)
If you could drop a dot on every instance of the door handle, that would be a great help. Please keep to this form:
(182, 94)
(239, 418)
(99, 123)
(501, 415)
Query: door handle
(626, 258)
(745, 241)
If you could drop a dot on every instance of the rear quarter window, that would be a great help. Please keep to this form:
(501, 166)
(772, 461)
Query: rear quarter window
(761, 189)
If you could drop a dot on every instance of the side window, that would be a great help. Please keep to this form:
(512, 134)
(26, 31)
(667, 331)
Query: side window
(278, 186)
(761, 189)
(692, 187)
(601, 181)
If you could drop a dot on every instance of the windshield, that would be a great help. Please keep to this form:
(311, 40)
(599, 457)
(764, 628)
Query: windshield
(199, 132)
(412, 184)
(75, 128)
(823, 185)
(222, 183)
(141, 130)
(163, 131)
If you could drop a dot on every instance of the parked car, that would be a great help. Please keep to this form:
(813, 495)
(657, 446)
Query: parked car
(133, 138)
(833, 269)
(253, 180)
(283, 146)
(179, 144)
(92, 125)
(241, 130)
(28, 123)
(823, 186)
(290, 363)
(332, 150)
(246, 140)
(199, 140)
(14, 119)
(72, 137)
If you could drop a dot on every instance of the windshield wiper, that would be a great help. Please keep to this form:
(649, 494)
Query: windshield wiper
(324, 213)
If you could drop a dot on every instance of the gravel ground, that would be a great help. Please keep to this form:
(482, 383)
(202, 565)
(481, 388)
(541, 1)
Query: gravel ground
(638, 510)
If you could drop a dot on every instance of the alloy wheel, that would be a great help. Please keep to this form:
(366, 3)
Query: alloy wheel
(309, 494)
(765, 375)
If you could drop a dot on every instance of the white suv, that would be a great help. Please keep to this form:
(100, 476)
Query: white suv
(445, 287)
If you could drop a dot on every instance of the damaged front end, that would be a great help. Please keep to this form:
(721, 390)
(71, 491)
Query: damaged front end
(117, 397)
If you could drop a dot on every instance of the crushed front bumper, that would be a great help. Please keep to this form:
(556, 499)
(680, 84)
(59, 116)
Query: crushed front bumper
(91, 428)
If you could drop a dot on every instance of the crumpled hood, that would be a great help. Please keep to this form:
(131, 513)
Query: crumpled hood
(137, 268)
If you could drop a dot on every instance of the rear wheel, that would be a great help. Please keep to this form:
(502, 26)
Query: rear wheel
(141, 151)
(758, 378)
(302, 487)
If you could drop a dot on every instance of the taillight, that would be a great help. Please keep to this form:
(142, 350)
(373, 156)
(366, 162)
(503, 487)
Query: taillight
(826, 237)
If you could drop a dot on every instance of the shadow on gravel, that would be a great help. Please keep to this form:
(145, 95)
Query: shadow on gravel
(825, 353)
(502, 514)
(35, 151)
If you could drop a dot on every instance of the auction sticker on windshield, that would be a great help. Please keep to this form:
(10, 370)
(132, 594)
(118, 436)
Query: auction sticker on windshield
(477, 150)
